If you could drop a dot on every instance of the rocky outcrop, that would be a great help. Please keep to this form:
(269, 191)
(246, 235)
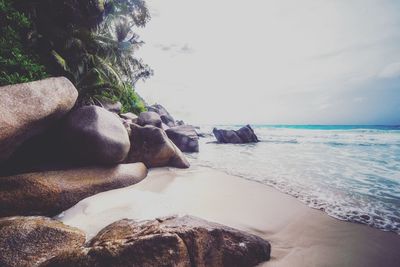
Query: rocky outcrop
(30, 108)
(164, 114)
(151, 146)
(149, 118)
(29, 241)
(97, 136)
(127, 119)
(49, 193)
(184, 137)
(243, 135)
(174, 241)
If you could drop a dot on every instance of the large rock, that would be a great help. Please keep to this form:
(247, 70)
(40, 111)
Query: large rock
(29, 241)
(151, 146)
(127, 119)
(44, 152)
(247, 134)
(30, 108)
(149, 118)
(243, 135)
(184, 137)
(49, 193)
(95, 135)
(164, 114)
(226, 136)
(174, 241)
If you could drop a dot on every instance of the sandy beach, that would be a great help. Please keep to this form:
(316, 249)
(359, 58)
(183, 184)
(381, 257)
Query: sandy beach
(300, 236)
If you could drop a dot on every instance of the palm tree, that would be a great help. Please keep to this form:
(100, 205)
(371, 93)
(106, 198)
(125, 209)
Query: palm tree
(93, 43)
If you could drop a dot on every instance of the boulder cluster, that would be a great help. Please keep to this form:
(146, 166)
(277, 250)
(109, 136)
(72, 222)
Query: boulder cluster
(173, 241)
(243, 135)
(54, 154)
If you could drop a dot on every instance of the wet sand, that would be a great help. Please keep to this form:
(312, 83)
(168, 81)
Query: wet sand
(300, 236)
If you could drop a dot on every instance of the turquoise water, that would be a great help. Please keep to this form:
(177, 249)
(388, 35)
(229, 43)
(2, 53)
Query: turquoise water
(328, 127)
(350, 172)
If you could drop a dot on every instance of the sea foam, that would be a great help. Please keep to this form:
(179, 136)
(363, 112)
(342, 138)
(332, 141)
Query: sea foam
(350, 172)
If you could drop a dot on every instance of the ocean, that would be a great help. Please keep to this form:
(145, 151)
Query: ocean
(350, 172)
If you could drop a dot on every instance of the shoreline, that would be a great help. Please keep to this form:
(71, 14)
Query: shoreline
(300, 235)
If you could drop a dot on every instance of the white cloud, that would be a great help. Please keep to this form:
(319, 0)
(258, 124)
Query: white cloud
(261, 61)
(390, 71)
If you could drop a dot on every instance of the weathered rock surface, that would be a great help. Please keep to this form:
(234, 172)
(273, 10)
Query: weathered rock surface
(30, 108)
(95, 135)
(151, 146)
(184, 137)
(175, 241)
(243, 135)
(227, 136)
(127, 119)
(29, 241)
(164, 114)
(149, 118)
(165, 127)
(43, 152)
(49, 193)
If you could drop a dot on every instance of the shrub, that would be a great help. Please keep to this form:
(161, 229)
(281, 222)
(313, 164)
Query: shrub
(18, 63)
(125, 93)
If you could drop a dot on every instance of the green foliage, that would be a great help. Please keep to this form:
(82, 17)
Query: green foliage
(124, 93)
(18, 63)
(92, 42)
(130, 100)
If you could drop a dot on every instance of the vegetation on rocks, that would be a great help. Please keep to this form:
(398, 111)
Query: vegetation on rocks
(91, 42)
(18, 62)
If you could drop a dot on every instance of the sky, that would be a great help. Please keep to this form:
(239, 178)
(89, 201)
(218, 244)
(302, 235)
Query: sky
(274, 61)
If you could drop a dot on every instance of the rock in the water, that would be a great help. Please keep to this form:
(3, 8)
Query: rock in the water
(184, 137)
(95, 135)
(175, 241)
(151, 146)
(149, 118)
(29, 241)
(30, 108)
(247, 134)
(49, 193)
(227, 136)
(164, 114)
(243, 135)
